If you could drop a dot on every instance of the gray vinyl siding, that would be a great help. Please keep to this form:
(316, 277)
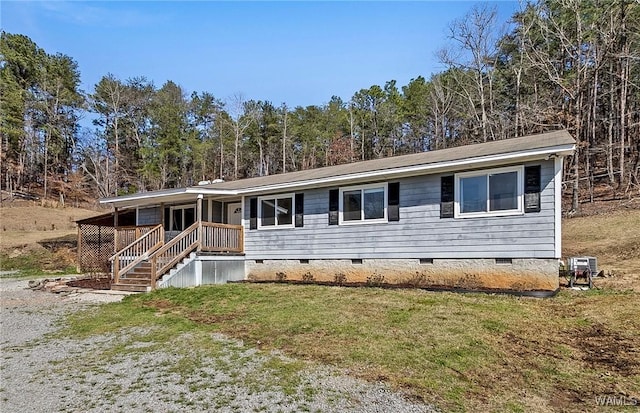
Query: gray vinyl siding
(420, 232)
(149, 216)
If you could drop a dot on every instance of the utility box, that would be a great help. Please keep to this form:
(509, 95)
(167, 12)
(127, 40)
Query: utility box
(582, 268)
(582, 263)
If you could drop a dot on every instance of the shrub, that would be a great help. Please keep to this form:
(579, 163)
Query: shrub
(375, 279)
(340, 278)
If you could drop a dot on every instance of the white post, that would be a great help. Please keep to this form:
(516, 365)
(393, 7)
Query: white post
(199, 217)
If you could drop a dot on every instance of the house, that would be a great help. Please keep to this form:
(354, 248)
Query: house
(484, 216)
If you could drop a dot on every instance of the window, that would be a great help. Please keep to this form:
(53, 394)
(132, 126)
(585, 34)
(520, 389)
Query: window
(363, 204)
(494, 192)
(276, 212)
(182, 217)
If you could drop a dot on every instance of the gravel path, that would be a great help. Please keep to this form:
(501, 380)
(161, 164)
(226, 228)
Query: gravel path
(42, 373)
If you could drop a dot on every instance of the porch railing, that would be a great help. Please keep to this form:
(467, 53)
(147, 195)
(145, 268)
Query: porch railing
(137, 251)
(173, 252)
(127, 235)
(151, 247)
(222, 237)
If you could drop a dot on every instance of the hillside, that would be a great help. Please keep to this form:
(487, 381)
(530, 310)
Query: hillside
(24, 223)
(613, 237)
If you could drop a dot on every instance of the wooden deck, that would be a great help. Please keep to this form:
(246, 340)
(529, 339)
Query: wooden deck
(140, 264)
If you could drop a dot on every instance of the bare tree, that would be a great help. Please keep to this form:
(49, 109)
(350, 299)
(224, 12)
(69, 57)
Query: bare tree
(476, 35)
(242, 114)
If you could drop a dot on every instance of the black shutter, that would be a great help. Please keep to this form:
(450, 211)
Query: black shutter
(299, 207)
(446, 196)
(532, 188)
(393, 202)
(334, 203)
(253, 213)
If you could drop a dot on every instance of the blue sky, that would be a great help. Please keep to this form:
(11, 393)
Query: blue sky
(300, 53)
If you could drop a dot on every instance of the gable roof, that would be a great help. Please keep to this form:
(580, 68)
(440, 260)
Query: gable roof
(558, 143)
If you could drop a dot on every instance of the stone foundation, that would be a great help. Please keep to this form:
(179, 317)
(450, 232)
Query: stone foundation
(472, 274)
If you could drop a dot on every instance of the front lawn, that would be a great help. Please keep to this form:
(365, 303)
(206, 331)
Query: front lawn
(459, 351)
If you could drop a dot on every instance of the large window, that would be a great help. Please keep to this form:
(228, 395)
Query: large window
(492, 192)
(363, 204)
(275, 212)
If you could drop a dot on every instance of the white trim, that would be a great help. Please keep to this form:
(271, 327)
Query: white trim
(209, 210)
(362, 188)
(557, 199)
(244, 228)
(290, 196)
(486, 172)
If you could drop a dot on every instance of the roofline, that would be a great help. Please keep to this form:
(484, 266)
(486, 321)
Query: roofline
(531, 154)
(559, 150)
(168, 192)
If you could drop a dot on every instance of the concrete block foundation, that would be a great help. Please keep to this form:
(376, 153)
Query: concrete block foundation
(472, 274)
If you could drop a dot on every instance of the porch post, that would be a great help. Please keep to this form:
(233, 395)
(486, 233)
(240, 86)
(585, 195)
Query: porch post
(199, 217)
(79, 248)
(162, 216)
(115, 230)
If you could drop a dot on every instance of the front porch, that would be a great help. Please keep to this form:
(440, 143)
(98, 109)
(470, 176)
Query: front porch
(142, 263)
(164, 242)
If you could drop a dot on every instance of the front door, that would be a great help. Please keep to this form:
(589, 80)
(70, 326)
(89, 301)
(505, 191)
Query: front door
(234, 214)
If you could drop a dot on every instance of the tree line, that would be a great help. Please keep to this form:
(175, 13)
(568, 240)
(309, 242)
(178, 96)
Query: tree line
(561, 64)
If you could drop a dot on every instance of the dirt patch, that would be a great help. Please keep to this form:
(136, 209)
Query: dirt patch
(94, 283)
(603, 348)
(204, 318)
(594, 347)
(160, 304)
(69, 241)
(430, 287)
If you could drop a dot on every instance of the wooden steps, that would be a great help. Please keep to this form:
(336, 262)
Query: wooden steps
(137, 280)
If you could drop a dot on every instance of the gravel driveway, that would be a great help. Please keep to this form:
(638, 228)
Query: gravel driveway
(43, 373)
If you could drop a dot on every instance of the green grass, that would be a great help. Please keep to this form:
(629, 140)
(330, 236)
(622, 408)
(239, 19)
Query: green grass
(33, 263)
(459, 351)
(37, 273)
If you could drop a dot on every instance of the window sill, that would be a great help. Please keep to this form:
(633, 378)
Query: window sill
(367, 222)
(488, 214)
(275, 227)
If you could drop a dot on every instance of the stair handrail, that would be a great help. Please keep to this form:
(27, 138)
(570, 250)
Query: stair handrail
(158, 231)
(156, 272)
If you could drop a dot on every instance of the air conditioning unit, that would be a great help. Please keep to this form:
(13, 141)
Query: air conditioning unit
(582, 263)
